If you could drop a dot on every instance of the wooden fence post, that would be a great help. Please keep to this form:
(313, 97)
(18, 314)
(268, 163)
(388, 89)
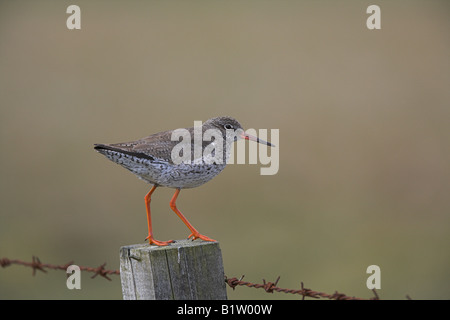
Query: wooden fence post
(191, 270)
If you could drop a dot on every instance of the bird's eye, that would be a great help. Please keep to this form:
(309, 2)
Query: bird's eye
(228, 126)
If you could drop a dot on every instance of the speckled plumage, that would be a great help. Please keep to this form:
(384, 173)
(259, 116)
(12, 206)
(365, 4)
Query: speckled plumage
(150, 158)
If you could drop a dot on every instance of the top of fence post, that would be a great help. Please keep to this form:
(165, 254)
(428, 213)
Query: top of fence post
(183, 270)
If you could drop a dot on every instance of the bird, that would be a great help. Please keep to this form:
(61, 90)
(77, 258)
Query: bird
(164, 160)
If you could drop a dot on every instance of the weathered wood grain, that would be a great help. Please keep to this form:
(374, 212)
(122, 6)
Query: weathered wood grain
(184, 270)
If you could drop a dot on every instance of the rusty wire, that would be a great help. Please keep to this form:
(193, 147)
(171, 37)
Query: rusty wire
(269, 287)
(36, 264)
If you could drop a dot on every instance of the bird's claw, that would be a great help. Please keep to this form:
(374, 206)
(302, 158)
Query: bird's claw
(197, 235)
(155, 242)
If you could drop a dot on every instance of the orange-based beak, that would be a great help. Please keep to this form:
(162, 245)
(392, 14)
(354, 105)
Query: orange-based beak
(247, 136)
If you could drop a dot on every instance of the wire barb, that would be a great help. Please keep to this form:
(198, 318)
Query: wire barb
(37, 265)
(101, 271)
(4, 262)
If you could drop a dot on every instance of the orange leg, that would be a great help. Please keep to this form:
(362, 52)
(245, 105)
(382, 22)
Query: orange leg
(150, 238)
(195, 234)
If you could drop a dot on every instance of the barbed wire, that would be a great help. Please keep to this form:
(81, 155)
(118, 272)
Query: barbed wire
(36, 264)
(269, 287)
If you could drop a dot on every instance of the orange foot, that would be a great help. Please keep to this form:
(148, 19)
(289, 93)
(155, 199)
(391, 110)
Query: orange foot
(155, 242)
(200, 236)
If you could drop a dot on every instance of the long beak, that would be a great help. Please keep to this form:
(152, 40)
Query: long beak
(247, 136)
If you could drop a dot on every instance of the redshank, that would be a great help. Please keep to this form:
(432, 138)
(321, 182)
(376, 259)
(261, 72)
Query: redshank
(152, 160)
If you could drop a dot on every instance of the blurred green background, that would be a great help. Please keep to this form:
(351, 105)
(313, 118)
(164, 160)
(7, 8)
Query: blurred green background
(363, 115)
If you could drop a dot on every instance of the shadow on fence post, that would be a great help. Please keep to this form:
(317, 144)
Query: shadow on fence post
(184, 270)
